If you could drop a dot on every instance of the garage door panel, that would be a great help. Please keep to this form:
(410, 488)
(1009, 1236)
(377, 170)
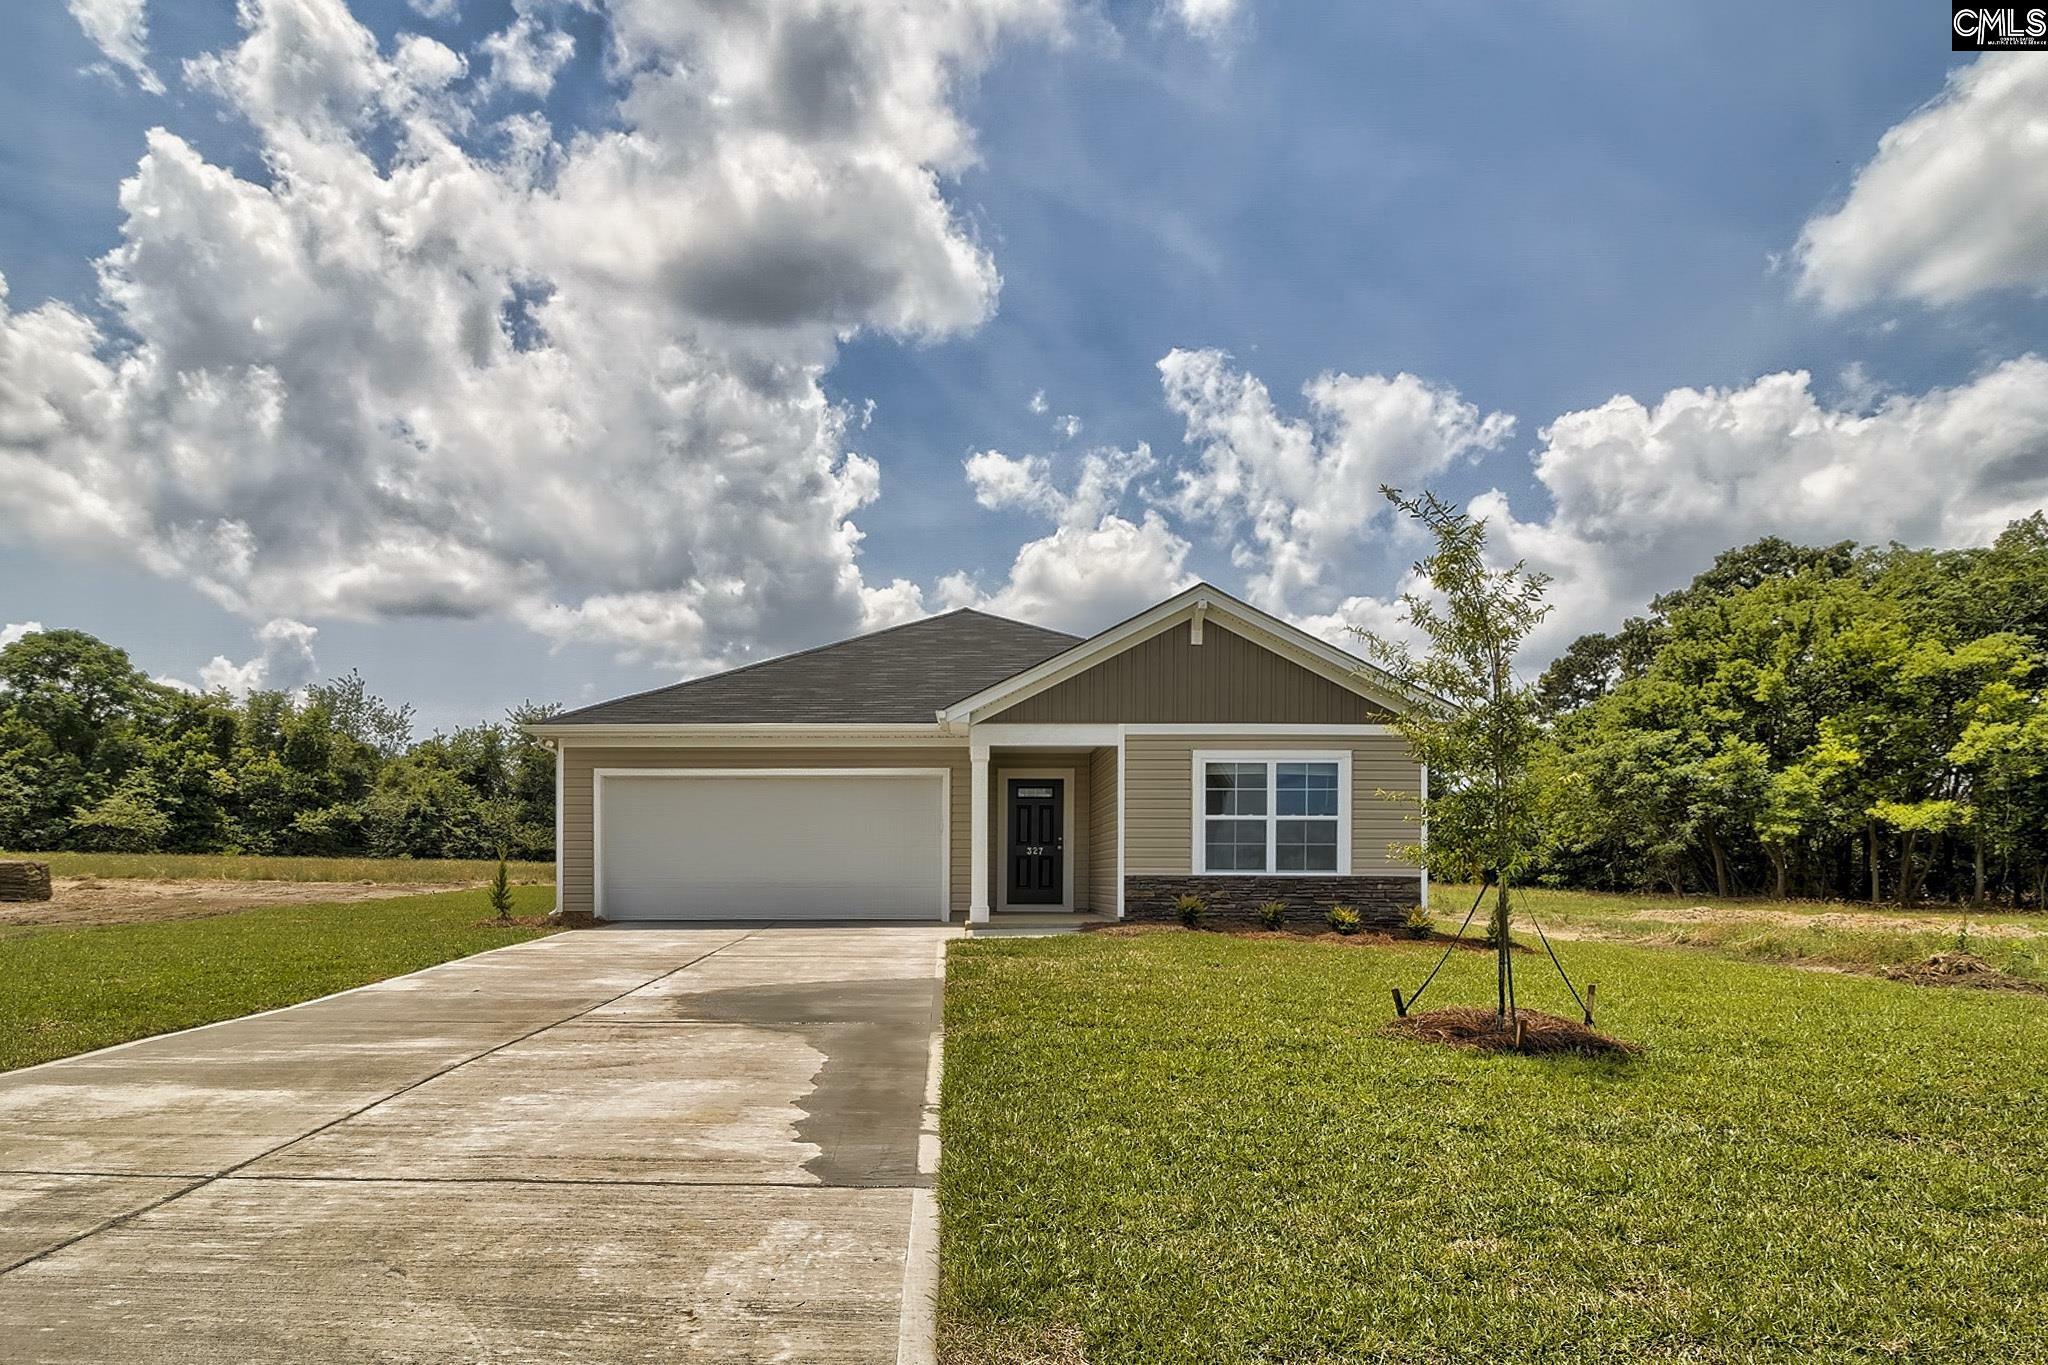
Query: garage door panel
(704, 846)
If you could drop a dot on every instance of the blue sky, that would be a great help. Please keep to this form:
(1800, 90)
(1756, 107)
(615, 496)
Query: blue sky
(1531, 215)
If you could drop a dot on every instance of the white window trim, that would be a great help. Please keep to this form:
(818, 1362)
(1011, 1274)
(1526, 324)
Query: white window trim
(1002, 800)
(1198, 851)
(944, 775)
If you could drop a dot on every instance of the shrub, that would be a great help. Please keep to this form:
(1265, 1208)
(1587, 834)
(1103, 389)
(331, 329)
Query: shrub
(1190, 908)
(1272, 914)
(501, 892)
(126, 820)
(1419, 924)
(1343, 919)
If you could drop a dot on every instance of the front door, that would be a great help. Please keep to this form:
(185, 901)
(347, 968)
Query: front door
(1038, 855)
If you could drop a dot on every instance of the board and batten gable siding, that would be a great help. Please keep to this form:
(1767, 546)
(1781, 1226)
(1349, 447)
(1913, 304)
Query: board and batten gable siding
(1227, 679)
(579, 764)
(1159, 807)
(1101, 834)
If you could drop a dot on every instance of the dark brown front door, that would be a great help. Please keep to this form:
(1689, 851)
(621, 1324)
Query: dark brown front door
(1038, 854)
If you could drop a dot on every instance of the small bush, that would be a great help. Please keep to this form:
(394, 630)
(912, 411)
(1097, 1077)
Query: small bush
(1343, 919)
(1272, 914)
(1419, 924)
(1190, 908)
(501, 893)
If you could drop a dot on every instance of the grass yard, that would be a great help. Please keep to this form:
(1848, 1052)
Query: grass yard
(1815, 933)
(247, 867)
(70, 990)
(1191, 1147)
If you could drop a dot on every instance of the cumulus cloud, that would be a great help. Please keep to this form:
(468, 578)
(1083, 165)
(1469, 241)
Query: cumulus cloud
(120, 29)
(526, 54)
(424, 367)
(1644, 495)
(1296, 495)
(283, 662)
(1955, 201)
(1097, 565)
(14, 630)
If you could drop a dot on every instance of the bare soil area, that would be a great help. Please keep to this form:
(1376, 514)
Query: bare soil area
(1961, 969)
(141, 900)
(1538, 1033)
(1895, 923)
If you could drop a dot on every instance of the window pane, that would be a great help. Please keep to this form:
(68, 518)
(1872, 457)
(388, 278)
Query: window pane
(1235, 845)
(1235, 789)
(1305, 845)
(1306, 788)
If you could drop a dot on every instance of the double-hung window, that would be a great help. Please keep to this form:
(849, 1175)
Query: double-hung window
(1284, 813)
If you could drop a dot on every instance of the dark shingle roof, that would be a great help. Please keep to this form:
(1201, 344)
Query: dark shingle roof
(904, 674)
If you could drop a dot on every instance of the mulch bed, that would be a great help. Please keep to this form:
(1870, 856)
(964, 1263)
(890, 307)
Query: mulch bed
(516, 922)
(1480, 1029)
(1303, 933)
(1961, 969)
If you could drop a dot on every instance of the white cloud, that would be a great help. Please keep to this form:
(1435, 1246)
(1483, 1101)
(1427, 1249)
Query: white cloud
(575, 382)
(1038, 404)
(14, 630)
(284, 662)
(1954, 203)
(1297, 495)
(434, 9)
(120, 29)
(526, 54)
(1097, 566)
(1643, 496)
(1205, 18)
(1068, 426)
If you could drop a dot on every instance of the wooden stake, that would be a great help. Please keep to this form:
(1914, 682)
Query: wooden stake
(1400, 1009)
(1590, 988)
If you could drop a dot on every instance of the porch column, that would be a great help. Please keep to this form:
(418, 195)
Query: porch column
(977, 861)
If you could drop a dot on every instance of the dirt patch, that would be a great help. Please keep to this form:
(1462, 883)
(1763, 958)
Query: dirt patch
(141, 900)
(1936, 922)
(1482, 1030)
(1961, 969)
(518, 922)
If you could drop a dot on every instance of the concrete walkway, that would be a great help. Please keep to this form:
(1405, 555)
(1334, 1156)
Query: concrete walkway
(642, 1145)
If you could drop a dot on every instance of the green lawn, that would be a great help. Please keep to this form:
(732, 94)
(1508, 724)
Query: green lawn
(245, 867)
(1191, 1147)
(1817, 933)
(71, 990)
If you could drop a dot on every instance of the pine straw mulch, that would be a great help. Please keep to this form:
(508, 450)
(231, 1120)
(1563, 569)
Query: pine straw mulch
(1961, 969)
(1481, 1030)
(517, 922)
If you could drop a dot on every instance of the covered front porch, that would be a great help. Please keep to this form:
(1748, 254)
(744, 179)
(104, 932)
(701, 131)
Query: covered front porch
(1045, 814)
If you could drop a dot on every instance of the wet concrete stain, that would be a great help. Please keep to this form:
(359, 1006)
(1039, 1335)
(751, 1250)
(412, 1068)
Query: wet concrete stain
(866, 1102)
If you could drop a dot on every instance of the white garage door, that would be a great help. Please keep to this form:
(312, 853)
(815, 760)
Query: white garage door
(771, 845)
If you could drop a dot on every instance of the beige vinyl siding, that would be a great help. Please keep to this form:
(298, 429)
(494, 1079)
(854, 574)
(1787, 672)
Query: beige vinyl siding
(1003, 762)
(1227, 679)
(1101, 840)
(1160, 811)
(578, 764)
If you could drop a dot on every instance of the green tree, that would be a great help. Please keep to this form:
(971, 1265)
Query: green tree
(1476, 726)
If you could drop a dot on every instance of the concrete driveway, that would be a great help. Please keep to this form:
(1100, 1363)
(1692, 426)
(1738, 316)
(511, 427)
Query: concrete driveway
(620, 1145)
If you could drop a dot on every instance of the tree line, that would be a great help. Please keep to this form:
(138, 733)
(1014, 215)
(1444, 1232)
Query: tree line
(1838, 721)
(95, 755)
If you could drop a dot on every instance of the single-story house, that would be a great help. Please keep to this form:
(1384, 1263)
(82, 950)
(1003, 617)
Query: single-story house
(965, 766)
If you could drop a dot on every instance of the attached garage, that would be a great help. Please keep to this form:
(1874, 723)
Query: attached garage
(761, 843)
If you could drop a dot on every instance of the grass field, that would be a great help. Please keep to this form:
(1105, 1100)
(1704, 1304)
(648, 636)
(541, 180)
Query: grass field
(70, 990)
(1191, 1147)
(242, 867)
(1816, 933)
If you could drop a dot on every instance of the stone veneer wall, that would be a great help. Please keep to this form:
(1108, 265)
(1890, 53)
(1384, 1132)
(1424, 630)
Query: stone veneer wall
(1382, 902)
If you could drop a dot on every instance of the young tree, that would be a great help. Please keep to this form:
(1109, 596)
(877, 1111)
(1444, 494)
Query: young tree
(501, 892)
(1475, 725)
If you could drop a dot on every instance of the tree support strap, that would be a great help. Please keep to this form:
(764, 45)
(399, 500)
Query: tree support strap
(1402, 1009)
